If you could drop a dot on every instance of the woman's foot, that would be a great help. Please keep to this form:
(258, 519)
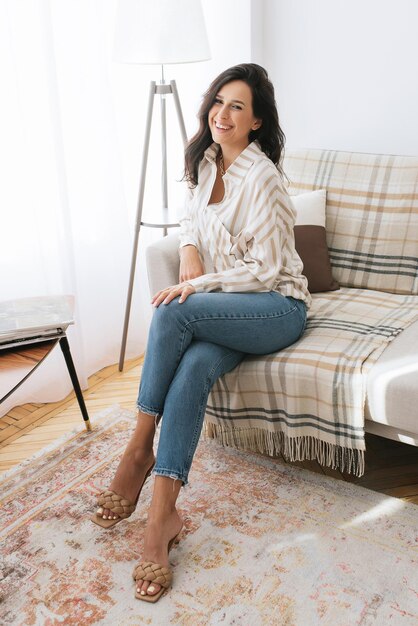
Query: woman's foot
(129, 477)
(135, 463)
(162, 526)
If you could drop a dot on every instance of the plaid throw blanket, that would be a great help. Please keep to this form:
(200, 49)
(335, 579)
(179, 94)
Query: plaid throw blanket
(307, 401)
(372, 214)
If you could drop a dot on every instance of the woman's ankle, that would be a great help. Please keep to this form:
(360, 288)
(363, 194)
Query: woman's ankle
(140, 455)
(143, 435)
(158, 513)
(148, 418)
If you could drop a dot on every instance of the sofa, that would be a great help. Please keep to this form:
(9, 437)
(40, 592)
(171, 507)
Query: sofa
(371, 243)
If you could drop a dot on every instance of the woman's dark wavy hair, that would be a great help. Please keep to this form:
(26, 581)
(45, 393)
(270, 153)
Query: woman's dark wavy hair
(270, 136)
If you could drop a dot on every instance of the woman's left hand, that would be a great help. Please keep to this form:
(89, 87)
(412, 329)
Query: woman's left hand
(166, 295)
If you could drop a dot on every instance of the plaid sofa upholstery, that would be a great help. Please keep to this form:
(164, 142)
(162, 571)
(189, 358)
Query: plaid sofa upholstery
(372, 214)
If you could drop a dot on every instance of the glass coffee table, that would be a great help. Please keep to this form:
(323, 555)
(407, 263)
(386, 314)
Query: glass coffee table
(29, 330)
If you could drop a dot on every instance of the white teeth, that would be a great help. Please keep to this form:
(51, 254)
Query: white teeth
(222, 127)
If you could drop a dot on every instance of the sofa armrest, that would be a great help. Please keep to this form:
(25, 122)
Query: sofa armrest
(163, 263)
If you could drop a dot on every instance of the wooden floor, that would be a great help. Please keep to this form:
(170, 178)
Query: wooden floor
(391, 467)
(29, 428)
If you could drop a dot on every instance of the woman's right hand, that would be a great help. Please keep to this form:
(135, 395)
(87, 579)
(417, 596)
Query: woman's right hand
(190, 263)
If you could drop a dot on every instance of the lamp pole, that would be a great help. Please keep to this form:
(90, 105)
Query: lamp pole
(161, 89)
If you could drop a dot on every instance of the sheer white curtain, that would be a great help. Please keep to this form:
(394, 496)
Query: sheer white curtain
(71, 132)
(64, 222)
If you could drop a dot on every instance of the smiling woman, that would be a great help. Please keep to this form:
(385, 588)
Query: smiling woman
(235, 100)
(253, 302)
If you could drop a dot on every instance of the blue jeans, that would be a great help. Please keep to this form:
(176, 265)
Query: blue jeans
(192, 344)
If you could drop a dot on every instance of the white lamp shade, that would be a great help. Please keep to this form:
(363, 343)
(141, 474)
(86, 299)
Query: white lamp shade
(160, 31)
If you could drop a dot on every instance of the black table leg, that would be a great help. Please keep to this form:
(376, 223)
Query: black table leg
(65, 347)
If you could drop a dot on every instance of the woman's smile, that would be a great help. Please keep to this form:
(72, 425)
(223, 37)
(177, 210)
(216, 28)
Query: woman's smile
(222, 127)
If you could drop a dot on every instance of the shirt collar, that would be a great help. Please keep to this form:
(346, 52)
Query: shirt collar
(239, 168)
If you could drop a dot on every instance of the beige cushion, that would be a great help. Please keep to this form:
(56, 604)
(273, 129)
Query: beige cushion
(392, 385)
(163, 263)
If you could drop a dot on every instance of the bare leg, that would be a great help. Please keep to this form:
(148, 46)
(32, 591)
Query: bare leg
(136, 460)
(164, 523)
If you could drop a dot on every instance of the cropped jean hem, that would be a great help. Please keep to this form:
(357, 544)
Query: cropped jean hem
(171, 474)
(152, 412)
(148, 410)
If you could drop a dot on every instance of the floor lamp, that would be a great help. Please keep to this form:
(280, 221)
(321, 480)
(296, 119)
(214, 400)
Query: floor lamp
(157, 32)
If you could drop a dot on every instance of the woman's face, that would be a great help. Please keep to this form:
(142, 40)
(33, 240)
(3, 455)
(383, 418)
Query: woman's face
(231, 117)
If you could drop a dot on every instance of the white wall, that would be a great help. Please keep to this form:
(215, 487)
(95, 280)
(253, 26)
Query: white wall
(345, 72)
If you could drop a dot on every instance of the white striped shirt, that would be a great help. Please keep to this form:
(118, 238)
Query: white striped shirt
(246, 241)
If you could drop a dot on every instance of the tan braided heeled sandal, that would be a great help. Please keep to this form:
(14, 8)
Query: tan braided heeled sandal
(117, 504)
(156, 573)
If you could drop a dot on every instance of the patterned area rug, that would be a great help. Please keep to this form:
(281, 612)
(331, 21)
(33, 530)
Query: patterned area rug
(264, 543)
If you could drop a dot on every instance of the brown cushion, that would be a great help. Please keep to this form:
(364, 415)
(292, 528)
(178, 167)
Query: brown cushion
(310, 240)
(311, 245)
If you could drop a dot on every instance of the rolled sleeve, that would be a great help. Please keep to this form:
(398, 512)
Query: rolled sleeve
(188, 230)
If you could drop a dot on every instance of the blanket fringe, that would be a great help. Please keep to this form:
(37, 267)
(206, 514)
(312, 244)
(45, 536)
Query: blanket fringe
(292, 448)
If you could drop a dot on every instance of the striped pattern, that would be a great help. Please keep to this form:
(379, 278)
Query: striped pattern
(246, 241)
(372, 215)
(307, 401)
